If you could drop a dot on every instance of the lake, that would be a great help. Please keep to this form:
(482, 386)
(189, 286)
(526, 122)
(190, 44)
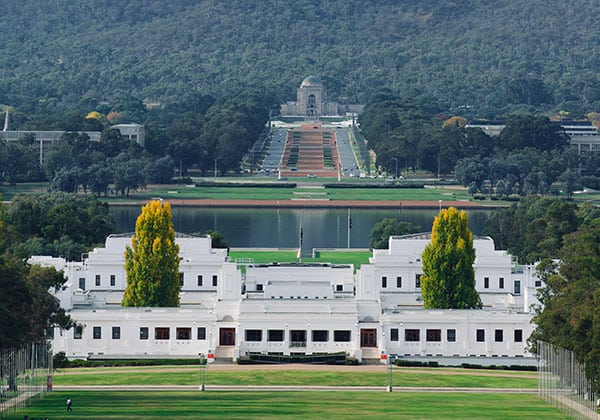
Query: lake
(279, 228)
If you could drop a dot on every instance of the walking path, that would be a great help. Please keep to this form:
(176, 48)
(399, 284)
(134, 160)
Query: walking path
(290, 388)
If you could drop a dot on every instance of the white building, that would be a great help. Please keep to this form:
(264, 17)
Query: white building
(295, 309)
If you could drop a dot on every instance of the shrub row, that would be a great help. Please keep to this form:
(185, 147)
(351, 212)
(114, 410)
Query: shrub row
(247, 184)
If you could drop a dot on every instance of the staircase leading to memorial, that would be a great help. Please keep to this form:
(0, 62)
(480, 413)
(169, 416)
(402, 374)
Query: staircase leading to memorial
(310, 151)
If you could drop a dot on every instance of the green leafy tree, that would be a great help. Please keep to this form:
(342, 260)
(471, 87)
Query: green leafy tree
(571, 298)
(217, 239)
(152, 261)
(387, 227)
(448, 279)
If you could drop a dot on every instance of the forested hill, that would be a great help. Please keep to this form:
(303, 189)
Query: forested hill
(490, 56)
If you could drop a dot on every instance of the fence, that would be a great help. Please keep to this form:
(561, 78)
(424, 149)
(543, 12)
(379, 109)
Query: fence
(562, 382)
(25, 375)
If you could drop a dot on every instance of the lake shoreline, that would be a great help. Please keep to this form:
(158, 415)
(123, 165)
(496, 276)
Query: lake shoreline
(316, 203)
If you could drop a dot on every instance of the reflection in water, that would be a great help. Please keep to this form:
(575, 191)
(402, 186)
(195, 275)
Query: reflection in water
(279, 228)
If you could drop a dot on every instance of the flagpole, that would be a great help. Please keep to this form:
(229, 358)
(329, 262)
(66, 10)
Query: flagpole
(349, 227)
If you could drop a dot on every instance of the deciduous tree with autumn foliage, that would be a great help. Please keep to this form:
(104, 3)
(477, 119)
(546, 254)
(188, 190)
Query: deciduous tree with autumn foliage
(448, 279)
(152, 261)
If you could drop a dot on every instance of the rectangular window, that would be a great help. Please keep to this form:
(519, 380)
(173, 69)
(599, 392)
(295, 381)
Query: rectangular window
(451, 335)
(116, 333)
(398, 282)
(253, 335)
(201, 333)
(275, 335)
(394, 334)
(298, 338)
(181, 279)
(161, 333)
(82, 283)
(384, 282)
(144, 333)
(538, 283)
(199, 279)
(339, 287)
(517, 287)
(433, 335)
(50, 333)
(97, 333)
(113, 279)
(183, 333)
(259, 287)
(97, 279)
(215, 280)
(480, 336)
(418, 281)
(320, 336)
(78, 332)
(341, 336)
(518, 336)
(501, 283)
(498, 336)
(486, 282)
(412, 335)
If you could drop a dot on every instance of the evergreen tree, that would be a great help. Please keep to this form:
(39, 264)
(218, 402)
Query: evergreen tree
(568, 315)
(448, 279)
(152, 261)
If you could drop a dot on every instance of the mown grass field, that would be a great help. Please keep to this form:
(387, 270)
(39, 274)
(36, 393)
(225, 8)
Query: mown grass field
(334, 257)
(288, 405)
(401, 377)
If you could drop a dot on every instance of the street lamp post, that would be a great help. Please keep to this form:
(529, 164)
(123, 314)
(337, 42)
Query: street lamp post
(203, 371)
(396, 160)
(216, 167)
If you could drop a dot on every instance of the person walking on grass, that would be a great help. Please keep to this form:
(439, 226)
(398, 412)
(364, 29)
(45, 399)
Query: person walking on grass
(69, 402)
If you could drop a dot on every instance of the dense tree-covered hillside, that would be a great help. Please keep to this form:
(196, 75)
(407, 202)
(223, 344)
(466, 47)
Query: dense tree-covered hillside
(489, 57)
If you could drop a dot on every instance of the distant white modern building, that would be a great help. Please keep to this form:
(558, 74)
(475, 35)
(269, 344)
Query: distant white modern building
(43, 139)
(583, 135)
(295, 309)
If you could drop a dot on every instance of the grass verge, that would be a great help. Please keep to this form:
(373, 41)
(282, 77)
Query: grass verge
(191, 376)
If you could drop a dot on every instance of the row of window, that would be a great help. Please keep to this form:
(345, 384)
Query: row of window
(199, 280)
(97, 281)
(486, 283)
(113, 280)
(298, 336)
(435, 335)
(384, 282)
(160, 333)
(185, 333)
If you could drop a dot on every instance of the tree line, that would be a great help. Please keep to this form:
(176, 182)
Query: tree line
(47, 224)
(198, 132)
(530, 156)
(486, 58)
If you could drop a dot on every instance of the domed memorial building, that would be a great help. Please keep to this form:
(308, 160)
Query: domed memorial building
(311, 101)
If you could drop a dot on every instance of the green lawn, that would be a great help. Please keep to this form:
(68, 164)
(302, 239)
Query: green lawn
(191, 376)
(278, 405)
(334, 194)
(335, 257)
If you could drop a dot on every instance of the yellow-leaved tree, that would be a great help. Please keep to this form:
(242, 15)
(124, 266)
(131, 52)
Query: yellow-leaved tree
(448, 279)
(152, 261)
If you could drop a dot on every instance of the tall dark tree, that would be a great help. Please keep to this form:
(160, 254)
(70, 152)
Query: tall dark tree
(569, 314)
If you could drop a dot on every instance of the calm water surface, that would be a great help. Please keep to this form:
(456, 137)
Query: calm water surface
(279, 228)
